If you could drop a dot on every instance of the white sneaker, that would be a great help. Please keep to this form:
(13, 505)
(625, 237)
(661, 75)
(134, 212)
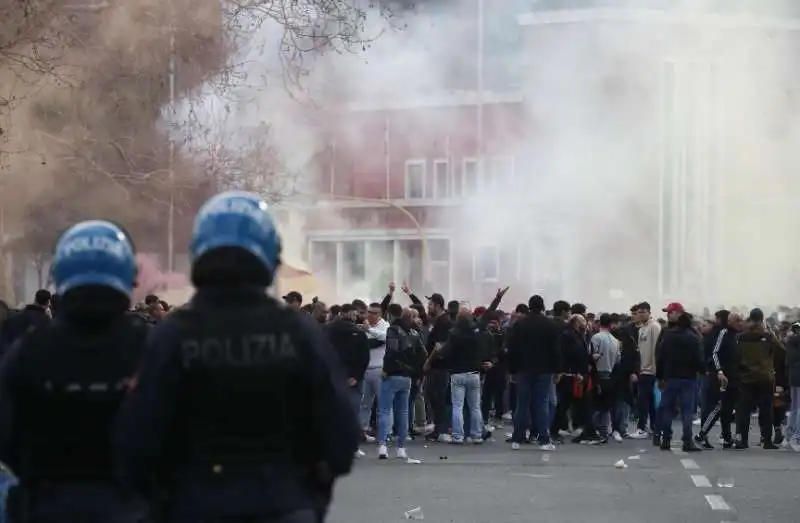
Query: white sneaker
(785, 444)
(515, 446)
(369, 439)
(617, 436)
(507, 416)
(429, 427)
(795, 446)
(575, 433)
(640, 434)
(489, 428)
(360, 453)
(445, 438)
(697, 422)
(401, 453)
(383, 452)
(549, 447)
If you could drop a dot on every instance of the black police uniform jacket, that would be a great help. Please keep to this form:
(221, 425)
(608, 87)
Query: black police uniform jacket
(61, 387)
(241, 406)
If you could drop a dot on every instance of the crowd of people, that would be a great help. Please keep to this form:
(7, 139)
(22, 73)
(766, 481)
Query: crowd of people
(116, 411)
(453, 375)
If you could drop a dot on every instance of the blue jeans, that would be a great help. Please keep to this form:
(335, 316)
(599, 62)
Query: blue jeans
(393, 398)
(533, 399)
(371, 390)
(793, 429)
(552, 403)
(678, 392)
(466, 386)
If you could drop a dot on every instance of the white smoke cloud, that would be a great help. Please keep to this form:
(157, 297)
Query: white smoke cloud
(614, 108)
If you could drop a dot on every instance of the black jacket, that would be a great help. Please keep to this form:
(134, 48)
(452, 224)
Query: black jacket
(405, 353)
(496, 348)
(30, 318)
(351, 344)
(680, 355)
(533, 346)
(466, 348)
(630, 359)
(574, 352)
(721, 352)
(438, 333)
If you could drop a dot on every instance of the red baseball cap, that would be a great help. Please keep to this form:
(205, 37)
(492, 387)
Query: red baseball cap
(479, 311)
(674, 307)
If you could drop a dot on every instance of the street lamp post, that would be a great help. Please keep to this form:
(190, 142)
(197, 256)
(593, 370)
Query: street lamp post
(171, 210)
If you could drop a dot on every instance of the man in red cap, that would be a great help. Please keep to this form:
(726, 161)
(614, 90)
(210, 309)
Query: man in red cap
(673, 310)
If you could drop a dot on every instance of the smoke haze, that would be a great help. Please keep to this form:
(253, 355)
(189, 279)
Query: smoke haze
(616, 113)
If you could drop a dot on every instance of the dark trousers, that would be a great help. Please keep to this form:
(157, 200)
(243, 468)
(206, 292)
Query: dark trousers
(604, 403)
(752, 396)
(438, 390)
(568, 407)
(678, 392)
(494, 388)
(512, 397)
(645, 404)
(719, 405)
(711, 397)
(412, 397)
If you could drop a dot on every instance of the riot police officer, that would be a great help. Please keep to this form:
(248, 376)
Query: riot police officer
(241, 404)
(61, 386)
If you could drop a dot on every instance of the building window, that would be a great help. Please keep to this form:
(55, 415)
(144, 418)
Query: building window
(486, 264)
(355, 260)
(501, 173)
(439, 251)
(469, 175)
(441, 179)
(415, 179)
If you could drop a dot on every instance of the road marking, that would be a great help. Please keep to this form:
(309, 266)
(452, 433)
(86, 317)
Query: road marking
(717, 502)
(527, 475)
(690, 464)
(701, 481)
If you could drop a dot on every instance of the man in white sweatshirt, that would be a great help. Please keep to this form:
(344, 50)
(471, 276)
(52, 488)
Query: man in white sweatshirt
(376, 328)
(649, 330)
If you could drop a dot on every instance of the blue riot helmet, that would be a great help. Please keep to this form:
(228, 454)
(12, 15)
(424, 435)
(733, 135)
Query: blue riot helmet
(94, 253)
(238, 227)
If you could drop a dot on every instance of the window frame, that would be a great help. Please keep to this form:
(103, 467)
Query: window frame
(476, 256)
(415, 162)
(495, 177)
(478, 182)
(449, 182)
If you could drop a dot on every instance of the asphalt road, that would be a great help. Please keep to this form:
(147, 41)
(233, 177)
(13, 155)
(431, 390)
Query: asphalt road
(576, 483)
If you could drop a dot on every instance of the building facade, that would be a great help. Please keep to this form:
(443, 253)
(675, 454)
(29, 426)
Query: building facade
(622, 168)
(407, 190)
(682, 112)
